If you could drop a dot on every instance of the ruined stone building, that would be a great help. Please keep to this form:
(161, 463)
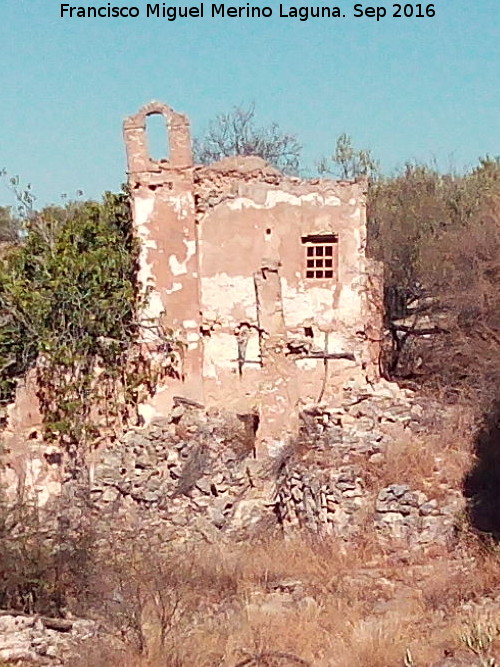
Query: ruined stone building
(264, 281)
(263, 277)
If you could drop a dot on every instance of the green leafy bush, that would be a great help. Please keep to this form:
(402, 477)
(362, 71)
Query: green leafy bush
(68, 297)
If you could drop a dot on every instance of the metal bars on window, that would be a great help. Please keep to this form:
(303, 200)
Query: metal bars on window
(321, 260)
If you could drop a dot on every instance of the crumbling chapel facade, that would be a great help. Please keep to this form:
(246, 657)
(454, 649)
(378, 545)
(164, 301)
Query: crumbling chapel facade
(263, 277)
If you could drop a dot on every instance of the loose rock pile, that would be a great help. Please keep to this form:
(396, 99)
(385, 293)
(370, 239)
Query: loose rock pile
(328, 484)
(405, 514)
(196, 474)
(37, 640)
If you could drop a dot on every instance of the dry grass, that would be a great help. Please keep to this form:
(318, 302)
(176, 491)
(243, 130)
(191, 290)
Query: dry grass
(326, 604)
(431, 462)
(302, 601)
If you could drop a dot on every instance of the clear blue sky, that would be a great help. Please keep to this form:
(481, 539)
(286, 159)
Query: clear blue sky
(406, 88)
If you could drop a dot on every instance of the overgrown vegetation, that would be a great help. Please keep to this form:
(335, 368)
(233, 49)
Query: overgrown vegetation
(67, 293)
(275, 602)
(44, 564)
(438, 237)
(348, 162)
(68, 303)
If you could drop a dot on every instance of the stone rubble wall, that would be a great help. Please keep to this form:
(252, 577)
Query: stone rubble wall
(196, 475)
(332, 488)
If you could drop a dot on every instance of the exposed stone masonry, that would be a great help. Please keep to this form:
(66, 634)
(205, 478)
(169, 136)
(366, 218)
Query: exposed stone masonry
(194, 472)
(332, 487)
(196, 475)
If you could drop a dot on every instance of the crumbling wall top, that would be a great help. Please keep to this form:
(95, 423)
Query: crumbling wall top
(243, 165)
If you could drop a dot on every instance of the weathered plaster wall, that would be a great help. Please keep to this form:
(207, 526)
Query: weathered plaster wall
(263, 223)
(164, 217)
(29, 468)
(252, 221)
(223, 261)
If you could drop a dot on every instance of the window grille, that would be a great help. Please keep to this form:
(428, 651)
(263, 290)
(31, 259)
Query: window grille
(321, 256)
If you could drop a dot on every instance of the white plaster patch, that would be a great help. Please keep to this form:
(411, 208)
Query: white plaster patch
(147, 412)
(219, 352)
(33, 470)
(180, 268)
(337, 343)
(253, 348)
(350, 307)
(223, 293)
(191, 248)
(182, 204)
(154, 306)
(176, 267)
(143, 207)
(176, 287)
(274, 197)
(9, 481)
(311, 304)
(189, 324)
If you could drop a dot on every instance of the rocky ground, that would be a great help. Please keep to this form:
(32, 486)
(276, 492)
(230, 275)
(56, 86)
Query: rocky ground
(38, 640)
(349, 547)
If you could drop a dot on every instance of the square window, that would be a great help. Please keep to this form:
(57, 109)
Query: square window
(321, 256)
